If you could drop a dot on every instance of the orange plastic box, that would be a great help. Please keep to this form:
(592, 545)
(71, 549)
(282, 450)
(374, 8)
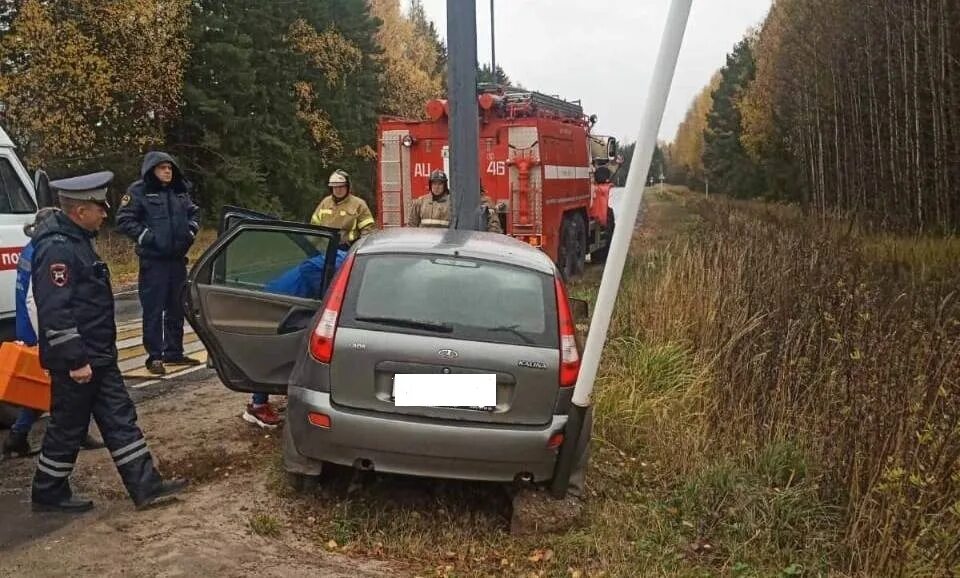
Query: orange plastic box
(22, 380)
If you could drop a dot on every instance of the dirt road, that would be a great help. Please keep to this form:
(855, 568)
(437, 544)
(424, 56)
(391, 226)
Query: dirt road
(194, 431)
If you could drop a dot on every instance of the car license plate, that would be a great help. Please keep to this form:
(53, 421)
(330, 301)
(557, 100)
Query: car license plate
(467, 391)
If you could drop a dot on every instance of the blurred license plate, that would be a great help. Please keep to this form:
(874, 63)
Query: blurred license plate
(468, 391)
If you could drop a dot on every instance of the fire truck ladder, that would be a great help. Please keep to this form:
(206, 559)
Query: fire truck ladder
(531, 102)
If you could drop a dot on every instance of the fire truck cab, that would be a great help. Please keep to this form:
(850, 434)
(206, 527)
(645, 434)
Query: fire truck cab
(547, 175)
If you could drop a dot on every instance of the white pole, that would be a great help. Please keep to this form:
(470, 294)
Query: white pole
(654, 107)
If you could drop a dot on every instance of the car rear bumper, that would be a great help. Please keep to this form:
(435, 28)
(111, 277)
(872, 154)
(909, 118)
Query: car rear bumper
(415, 446)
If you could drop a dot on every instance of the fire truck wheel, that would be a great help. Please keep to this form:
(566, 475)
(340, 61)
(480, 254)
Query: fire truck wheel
(600, 255)
(567, 252)
(580, 242)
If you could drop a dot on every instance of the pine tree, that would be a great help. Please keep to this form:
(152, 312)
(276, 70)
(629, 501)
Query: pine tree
(485, 75)
(727, 164)
(276, 97)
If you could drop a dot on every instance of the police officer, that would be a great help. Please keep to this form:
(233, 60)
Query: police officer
(77, 333)
(17, 443)
(343, 210)
(433, 210)
(158, 214)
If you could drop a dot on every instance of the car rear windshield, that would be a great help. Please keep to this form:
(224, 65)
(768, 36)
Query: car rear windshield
(454, 297)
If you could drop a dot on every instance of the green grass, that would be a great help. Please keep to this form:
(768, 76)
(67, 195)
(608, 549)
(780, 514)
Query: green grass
(776, 398)
(265, 525)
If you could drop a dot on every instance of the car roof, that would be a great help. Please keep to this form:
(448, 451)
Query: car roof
(455, 242)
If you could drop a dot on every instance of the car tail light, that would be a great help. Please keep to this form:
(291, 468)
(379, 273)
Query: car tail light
(555, 441)
(321, 340)
(569, 355)
(320, 420)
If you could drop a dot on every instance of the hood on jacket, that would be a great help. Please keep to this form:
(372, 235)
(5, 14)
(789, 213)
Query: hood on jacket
(150, 162)
(58, 223)
(43, 214)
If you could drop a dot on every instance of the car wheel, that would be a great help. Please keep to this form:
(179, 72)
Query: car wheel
(303, 483)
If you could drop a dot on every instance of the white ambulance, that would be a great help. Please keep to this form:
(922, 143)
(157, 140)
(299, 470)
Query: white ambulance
(18, 206)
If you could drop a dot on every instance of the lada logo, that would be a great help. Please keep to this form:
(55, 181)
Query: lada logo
(448, 354)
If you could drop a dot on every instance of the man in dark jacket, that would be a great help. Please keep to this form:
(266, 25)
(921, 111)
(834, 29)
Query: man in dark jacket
(78, 333)
(158, 214)
(17, 443)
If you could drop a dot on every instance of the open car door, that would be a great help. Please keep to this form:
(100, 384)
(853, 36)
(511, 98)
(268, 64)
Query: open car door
(252, 294)
(232, 215)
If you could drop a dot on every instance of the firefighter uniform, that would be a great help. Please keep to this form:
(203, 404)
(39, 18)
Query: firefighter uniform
(348, 213)
(76, 328)
(429, 211)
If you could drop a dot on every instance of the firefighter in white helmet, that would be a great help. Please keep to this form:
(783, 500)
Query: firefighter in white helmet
(433, 210)
(343, 210)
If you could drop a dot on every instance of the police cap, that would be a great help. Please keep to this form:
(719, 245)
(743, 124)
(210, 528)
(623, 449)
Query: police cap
(92, 187)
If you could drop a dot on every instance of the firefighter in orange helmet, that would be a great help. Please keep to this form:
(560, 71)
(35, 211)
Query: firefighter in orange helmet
(433, 210)
(343, 210)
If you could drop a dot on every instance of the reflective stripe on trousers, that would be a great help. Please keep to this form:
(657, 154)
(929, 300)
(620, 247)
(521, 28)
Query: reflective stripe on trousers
(130, 452)
(53, 467)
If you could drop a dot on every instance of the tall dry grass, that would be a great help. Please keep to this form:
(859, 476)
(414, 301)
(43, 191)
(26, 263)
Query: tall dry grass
(763, 350)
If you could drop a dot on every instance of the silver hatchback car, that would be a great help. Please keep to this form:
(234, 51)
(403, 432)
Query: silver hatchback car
(281, 310)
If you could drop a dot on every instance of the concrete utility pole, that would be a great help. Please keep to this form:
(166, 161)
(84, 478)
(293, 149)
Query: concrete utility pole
(654, 106)
(464, 114)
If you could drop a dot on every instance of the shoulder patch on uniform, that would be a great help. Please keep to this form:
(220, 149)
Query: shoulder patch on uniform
(125, 200)
(59, 274)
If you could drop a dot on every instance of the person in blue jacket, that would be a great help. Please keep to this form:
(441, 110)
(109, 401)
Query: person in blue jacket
(17, 443)
(304, 280)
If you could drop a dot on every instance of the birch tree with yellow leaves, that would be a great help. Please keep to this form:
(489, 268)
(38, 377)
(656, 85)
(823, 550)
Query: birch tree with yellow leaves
(86, 78)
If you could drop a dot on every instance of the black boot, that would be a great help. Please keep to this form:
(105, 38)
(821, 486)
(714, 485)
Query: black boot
(68, 505)
(163, 494)
(17, 445)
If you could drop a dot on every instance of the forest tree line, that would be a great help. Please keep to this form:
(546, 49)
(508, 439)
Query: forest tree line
(848, 107)
(259, 101)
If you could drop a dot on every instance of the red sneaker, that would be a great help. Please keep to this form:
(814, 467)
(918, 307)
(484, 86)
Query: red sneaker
(263, 416)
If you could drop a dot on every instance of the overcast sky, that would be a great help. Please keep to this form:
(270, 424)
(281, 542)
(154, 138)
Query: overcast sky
(603, 51)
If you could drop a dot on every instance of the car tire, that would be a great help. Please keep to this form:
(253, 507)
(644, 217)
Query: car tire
(303, 483)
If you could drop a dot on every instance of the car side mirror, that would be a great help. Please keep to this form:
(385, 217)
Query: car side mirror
(41, 185)
(612, 148)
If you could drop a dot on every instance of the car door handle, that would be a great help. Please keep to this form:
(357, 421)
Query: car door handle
(295, 320)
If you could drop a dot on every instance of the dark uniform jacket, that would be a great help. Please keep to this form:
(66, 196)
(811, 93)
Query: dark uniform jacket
(162, 220)
(71, 286)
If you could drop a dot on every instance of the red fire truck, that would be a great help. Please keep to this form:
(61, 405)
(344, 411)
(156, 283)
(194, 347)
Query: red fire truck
(548, 176)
